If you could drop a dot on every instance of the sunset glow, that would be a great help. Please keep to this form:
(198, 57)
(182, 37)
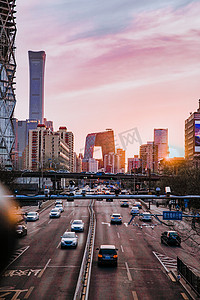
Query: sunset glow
(115, 66)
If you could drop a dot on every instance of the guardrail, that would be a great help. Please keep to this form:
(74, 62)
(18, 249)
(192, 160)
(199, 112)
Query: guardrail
(82, 287)
(191, 278)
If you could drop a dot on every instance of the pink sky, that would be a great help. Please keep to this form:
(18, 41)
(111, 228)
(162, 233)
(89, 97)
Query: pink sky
(113, 66)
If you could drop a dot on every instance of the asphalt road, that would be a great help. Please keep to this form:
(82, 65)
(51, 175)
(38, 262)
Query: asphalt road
(141, 259)
(42, 270)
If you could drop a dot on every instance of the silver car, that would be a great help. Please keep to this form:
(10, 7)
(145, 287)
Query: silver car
(146, 216)
(55, 213)
(77, 225)
(69, 239)
(60, 207)
(32, 216)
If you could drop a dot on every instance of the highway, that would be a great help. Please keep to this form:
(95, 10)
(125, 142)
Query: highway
(44, 270)
(140, 274)
(41, 270)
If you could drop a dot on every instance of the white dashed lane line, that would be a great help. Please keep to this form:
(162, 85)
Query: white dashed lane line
(122, 248)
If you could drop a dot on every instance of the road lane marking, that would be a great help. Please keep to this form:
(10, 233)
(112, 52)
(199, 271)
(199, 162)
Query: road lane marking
(41, 273)
(58, 245)
(29, 292)
(128, 272)
(50, 221)
(118, 235)
(171, 277)
(126, 224)
(16, 254)
(122, 248)
(104, 223)
(135, 297)
(184, 296)
(166, 262)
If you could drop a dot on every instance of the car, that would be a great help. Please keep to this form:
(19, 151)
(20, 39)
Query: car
(55, 213)
(60, 207)
(21, 230)
(109, 200)
(138, 204)
(124, 203)
(32, 216)
(116, 218)
(134, 210)
(77, 225)
(58, 201)
(171, 238)
(146, 216)
(107, 255)
(69, 239)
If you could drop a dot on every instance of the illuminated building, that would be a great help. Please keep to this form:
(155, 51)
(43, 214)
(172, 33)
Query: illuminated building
(192, 136)
(161, 140)
(104, 139)
(7, 77)
(121, 154)
(149, 156)
(36, 67)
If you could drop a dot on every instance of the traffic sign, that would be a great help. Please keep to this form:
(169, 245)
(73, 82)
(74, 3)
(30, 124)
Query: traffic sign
(172, 215)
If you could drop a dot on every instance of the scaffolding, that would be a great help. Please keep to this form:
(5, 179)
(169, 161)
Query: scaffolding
(7, 79)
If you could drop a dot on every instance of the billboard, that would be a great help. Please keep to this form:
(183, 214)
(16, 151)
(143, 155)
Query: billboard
(197, 136)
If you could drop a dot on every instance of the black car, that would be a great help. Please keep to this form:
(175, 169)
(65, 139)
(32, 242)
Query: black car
(107, 255)
(21, 230)
(171, 238)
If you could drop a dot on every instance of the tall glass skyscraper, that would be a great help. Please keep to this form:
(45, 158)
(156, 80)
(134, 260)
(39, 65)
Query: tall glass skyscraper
(36, 67)
(7, 75)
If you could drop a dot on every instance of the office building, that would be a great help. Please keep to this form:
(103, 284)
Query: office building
(46, 150)
(192, 136)
(161, 140)
(21, 129)
(122, 158)
(149, 157)
(36, 68)
(68, 138)
(134, 163)
(93, 165)
(105, 140)
(7, 80)
(111, 163)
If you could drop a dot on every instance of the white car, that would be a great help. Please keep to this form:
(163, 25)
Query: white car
(77, 225)
(138, 204)
(134, 210)
(60, 207)
(146, 216)
(55, 213)
(69, 239)
(58, 201)
(32, 216)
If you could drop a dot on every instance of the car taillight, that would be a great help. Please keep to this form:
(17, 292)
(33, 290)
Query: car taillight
(115, 256)
(112, 217)
(99, 255)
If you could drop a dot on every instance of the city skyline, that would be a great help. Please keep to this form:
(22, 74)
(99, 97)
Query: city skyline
(115, 66)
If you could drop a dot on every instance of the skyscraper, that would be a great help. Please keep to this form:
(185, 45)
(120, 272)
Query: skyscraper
(36, 67)
(161, 140)
(7, 75)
